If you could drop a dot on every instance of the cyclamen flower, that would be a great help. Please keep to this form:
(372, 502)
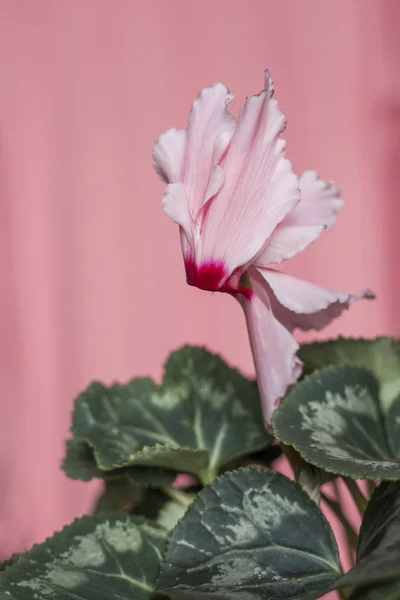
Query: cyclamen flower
(241, 210)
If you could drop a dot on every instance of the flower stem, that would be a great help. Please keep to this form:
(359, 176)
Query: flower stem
(310, 478)
(358, 497)
(293, 458)
(178, 495)
(206, 476)
(352, 536)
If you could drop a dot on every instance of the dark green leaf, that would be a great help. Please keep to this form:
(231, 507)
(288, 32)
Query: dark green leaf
(392, 422)
(156, 504)
(380, 355)
(172, 457)
(80, 463)
(95, 558)
(251, 534)
(150, 503)
(381, 522)
(204, 416)
(311, 479)
(378, 554)
(267, 456)
(153, 476)
(334, 419)
(166, 506)
(9, 562)
(120, 494)
(381, 591)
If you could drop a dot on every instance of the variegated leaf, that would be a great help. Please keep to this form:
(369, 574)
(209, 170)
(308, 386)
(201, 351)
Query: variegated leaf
(380, 355)
(95, 558)
(251, 534)
(80, 463)
(204, 416)
(334, 420)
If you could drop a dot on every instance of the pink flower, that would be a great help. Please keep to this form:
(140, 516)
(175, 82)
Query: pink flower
(240, 210)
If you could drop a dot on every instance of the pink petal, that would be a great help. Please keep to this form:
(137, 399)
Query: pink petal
(214, 183)
(187, 247)
(223, 140)
(169, 154)
(320, 201)
(297, 303)
(259, 187)
(176, 206)
(274, 348)
(209, 132)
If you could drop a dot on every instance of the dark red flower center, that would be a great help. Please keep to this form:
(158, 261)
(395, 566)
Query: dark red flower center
(215, 277)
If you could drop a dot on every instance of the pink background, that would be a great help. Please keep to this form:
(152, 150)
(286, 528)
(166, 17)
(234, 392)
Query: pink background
(92, 276)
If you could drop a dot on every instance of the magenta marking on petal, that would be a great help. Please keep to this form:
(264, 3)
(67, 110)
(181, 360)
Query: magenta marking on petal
(215, 277)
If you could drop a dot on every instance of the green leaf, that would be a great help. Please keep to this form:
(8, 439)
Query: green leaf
(80, 463)
(9, 562)
(170, 514)
(120, 495)
(204, 416)
(380, 355)
(166, 505)
(156, 504)
(170, 457)
(381, 522)
(266, 456)
(377, 571)
(251, 534)
(95, 558)
(392, 425)
(150, 504)
(334, 419)
(382, 591)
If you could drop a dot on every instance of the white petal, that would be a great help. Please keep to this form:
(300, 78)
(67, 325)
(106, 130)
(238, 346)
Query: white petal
(209, 119)
(176, 206)
(301, 304)
(214, 183)
(169, 155)
(259, 186)
(320, 201)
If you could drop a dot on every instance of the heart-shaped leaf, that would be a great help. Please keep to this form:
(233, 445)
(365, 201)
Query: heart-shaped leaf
(95, 558)
(380, 355)
(334, 419)
(377, 571)
(80, 463)
(251, 534)
(204, 416)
